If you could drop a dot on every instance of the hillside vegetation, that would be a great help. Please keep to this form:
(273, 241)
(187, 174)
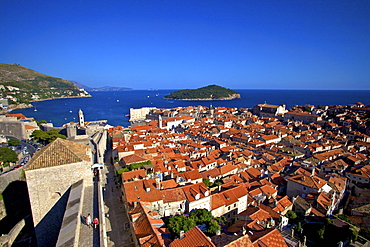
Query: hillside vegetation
(211, 92)
(22, 85)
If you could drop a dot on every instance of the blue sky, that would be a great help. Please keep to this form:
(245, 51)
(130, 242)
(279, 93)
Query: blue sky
(244, 44)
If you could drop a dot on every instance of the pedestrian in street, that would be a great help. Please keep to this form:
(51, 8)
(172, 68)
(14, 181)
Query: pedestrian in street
(95, 222)
(88, 220)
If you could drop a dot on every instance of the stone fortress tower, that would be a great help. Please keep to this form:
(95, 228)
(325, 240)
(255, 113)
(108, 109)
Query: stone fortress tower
(50, 174)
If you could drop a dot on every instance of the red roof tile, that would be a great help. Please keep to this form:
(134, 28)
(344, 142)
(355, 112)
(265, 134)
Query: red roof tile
(193, 238)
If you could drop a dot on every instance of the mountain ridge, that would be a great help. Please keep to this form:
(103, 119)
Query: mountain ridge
(21, 85)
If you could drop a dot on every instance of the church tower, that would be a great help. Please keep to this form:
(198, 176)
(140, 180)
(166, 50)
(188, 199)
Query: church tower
(81, 119)
(160, 123)
(211, 110)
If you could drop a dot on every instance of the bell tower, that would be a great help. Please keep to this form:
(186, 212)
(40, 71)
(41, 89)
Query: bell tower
(81, 118)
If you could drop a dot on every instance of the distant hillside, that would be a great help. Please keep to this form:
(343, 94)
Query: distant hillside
(211, 92)
(106, 88)
(22, 85)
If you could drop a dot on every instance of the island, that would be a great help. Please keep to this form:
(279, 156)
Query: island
(211, 92)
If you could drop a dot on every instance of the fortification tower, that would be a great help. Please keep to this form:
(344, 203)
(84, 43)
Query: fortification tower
(71, 130)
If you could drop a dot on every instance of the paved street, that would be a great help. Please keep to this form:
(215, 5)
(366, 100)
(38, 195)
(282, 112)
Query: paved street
(118, 231)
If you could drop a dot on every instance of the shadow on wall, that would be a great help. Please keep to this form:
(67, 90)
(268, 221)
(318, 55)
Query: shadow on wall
(17, 206)
(47, 230)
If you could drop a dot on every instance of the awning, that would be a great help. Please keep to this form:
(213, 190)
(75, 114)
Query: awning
(97, 165)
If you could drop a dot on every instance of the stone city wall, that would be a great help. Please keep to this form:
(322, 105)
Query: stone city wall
(47, 185)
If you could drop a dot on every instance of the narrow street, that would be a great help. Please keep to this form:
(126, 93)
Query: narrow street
(117, 222)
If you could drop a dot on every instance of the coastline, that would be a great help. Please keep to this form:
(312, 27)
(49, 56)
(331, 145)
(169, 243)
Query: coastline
(101, 107)
(62, 97)
(24, 106)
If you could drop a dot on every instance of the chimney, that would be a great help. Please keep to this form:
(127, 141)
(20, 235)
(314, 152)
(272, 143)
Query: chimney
(313, 171)
(182, 234)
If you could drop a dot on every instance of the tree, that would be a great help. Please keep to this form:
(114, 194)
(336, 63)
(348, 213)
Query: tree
(291, 215)
(221, 219)
(7, 155)
(321, 232)
(328, 221)
(46, 137)
(353, 235)
(13, 142)
(217, 183)
(207, 182)
(122, 170)
(213, 227)
(298, 227)
(179, 223)
(41, 122)
(201, 216)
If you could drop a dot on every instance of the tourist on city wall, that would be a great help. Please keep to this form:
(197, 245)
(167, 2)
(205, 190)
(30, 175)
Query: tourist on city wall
(95, 222)
(88, 220)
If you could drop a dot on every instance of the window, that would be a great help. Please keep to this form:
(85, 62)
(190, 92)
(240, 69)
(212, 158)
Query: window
(304, 188)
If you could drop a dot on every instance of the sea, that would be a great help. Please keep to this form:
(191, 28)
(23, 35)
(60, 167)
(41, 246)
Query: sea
(114, 106)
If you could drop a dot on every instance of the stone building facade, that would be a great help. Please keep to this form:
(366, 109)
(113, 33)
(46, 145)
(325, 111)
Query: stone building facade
(21, 129)
(140, 114)
(50, 175)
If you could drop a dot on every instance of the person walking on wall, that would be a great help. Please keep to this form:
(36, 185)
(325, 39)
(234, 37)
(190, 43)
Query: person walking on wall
(95, 222)
(88, 220)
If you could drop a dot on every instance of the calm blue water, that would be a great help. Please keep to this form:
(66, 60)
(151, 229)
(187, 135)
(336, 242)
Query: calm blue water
(113, 106)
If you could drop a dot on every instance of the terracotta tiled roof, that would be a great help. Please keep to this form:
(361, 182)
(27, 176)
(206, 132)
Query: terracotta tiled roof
(59, 152)
(194, 189)
(227, 168)
(142, 191)
(193, 238)
(213, 173)
(173, 195)
(190, 175)
(313, 182)
(217, 201)
(232, 240)
(254, 172)
(137, 174)
(339, 182)
(168, 184)
(255, 192)
(282, 204)
(270, 237)
(146, 233)
(133, 158)
(17, 115)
